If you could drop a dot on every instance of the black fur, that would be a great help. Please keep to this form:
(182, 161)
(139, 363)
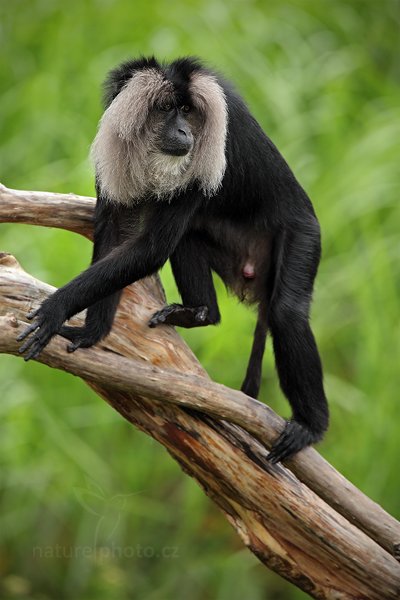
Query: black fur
(119, 76)
(260, 214)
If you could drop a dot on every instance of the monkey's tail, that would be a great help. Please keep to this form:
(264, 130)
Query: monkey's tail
(252, 381)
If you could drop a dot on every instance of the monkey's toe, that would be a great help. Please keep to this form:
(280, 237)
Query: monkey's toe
(81, 343)
(293, 438)
(181, 316)
(72, 347)
(201, 314)
(80, 337)
(71, 333)
(161, 316)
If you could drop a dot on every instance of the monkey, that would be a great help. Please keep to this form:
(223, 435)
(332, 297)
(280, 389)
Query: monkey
(185, 173)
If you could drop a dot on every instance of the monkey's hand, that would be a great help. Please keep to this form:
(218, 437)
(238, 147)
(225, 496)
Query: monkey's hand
(182, 316)
(293, 438)
(47, 321)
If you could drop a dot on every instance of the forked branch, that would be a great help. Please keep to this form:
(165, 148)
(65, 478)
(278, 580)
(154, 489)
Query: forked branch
(304, 520)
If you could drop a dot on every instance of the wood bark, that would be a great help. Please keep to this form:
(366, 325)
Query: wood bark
(303, 519)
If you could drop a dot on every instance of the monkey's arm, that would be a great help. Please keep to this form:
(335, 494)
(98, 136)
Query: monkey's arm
(100, 315)
(296, 353)
(130, 261)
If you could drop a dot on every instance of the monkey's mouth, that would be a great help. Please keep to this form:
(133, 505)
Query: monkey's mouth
(177, 143)
(176, 150)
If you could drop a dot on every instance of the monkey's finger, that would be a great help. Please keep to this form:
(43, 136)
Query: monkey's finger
(278, 453)
(73, 347)
(282, 448)
(36, 344)
(272, 459)
(35, 350)
(156, 320)
(202, 314)
(27, 344)
(33, 313)
(165, 315)
(26, 332)
(294, 438)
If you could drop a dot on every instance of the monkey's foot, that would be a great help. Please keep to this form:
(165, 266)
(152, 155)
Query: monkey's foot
(182, 316)
(81, 337)
(293, 438)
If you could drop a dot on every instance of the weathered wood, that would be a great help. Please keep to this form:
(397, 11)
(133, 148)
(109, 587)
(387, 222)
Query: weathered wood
(47, 209)
(149, 375)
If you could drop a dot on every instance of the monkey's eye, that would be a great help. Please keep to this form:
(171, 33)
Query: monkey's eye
(166, 107)
(185, 108)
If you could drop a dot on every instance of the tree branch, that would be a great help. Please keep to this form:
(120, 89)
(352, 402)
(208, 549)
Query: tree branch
(308, 523)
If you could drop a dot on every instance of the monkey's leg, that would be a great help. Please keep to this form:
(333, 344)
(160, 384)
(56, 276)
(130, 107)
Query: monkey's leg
(192, 272)
(296, 354)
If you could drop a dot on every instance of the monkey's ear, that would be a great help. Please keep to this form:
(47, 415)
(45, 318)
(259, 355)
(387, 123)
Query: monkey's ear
(118, 77)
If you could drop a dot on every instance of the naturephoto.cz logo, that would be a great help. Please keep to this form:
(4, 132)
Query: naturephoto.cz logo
(107, 511)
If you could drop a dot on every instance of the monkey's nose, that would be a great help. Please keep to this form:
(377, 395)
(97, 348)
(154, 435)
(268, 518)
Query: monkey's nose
(178, 142)
(185, 136)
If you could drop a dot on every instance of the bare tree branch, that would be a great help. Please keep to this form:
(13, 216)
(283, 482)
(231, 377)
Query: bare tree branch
(47, 209)
(308, 523)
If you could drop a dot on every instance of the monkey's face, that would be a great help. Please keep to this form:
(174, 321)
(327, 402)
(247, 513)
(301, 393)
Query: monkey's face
(175, 126)
(175, 133)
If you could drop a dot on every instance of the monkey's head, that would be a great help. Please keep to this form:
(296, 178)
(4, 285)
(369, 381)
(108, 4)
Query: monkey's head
(164, 127)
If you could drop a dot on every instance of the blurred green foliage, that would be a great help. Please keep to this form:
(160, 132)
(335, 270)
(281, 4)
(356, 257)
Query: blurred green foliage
(91, 508)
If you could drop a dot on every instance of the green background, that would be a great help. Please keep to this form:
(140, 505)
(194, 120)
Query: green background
(91, 508)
